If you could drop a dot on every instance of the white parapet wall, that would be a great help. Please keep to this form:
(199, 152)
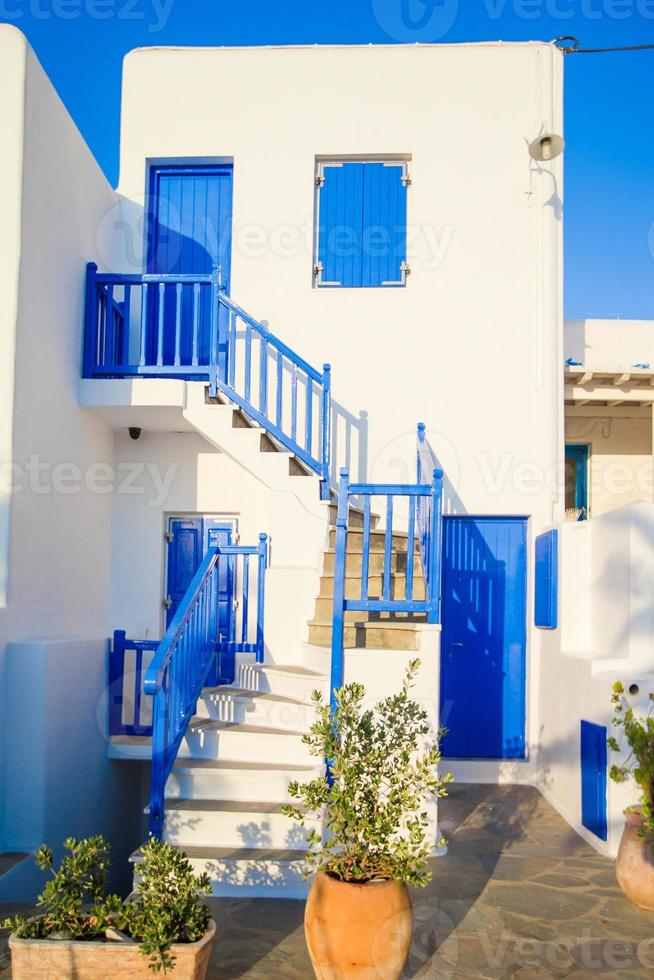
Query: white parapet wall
(59, 780)
(605, 634)
(55, 531)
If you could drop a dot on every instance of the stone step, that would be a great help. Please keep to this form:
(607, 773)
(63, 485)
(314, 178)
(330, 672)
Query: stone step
(247, 872)
(369, 635)
(288, 681)
(377, 541)
(211, 779)
(324, 612)
(228, 703)
(354, 561)
(234, 823)
(375, 585)
(231, 741)
(355, 517)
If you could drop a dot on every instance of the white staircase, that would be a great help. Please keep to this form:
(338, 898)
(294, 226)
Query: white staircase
(225, 793)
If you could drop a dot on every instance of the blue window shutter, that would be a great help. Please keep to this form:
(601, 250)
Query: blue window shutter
(547, 580)
(362, 224)
(593, 778)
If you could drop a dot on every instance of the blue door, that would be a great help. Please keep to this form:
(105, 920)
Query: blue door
(190, 211)
(593, 778)
(483, 643)
(188, 542)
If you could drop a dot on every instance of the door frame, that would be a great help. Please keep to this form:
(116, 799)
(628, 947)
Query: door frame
(227, 521)
(152, 165)
(525, 520)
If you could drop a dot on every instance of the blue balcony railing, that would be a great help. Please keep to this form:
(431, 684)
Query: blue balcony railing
(185, 326)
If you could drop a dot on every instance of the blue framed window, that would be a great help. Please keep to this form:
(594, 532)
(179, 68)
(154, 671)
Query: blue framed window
(547, 580)
(593, 778)
(576, 481)
(361, 214)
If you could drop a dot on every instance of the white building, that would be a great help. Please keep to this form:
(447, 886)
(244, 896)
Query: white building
(373, 208)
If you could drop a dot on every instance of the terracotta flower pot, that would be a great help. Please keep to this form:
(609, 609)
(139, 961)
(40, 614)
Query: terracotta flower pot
(634, 866)
(36, 959)
(361, 931)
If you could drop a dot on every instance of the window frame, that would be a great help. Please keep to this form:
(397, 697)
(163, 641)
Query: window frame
(324, 162)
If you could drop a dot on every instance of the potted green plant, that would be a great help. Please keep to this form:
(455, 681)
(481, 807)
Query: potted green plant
(81, 932)
(376, 841)
(635, 861)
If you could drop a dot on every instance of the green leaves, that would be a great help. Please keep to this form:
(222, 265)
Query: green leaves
(383, 763)
(166, 909)
(638, 733)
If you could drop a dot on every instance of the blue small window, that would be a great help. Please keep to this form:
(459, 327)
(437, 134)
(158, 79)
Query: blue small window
(361, 215)
(547, 580)
(593, 778)
(576, 482)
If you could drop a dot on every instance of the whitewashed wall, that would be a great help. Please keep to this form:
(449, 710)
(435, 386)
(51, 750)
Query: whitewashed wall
(472, 346)
(194, 479)
(605, 634)
(54, 197)
(609, 345)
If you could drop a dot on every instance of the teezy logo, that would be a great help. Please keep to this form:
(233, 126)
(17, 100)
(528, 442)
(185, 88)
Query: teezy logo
(415, 20)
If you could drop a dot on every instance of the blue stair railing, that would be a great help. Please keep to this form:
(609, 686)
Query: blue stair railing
(429, 520)
(184, 658)
(424, 501)
(164, 325)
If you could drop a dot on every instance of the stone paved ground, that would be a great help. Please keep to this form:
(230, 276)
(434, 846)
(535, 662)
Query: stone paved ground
(519, 895)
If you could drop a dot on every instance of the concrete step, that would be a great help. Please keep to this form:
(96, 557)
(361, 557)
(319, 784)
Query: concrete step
(210, 779)
(228, 703)
(377, 541)
(369, 635)
(289, 681)
(247, 872)
(234, 824)
(243, 742)
(324, 612)
(354, 562)
(376, 585)
(355, 517)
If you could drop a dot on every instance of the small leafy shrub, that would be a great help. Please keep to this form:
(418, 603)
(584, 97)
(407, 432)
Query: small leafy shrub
(639, 736)
(166, 909)
(72, 901)
(382, 764)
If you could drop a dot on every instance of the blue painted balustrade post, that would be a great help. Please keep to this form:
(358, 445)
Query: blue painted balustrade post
(421, 439)
(338, 624)
(435, 548)
(214, 327)
(90, 321)
(116, 681)
(261, 593)
(325, 429)
(158, 770)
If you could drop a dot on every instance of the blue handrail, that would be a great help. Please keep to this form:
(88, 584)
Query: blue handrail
(183, 659)
(421, 498)
(165, 325)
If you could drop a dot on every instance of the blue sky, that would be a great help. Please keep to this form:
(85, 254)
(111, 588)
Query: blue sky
(609, 194)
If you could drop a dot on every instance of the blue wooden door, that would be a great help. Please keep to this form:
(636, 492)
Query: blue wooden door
(188, 541)
(483, 651)
(593, 778)
(191, 232)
